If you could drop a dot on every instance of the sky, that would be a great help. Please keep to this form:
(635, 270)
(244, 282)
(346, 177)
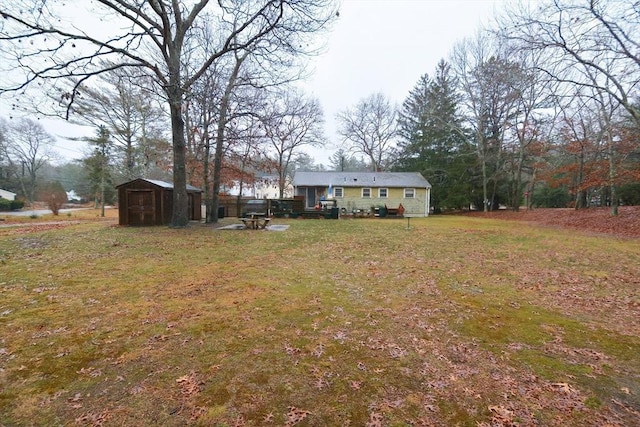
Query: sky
(375, 46)
(385, 46)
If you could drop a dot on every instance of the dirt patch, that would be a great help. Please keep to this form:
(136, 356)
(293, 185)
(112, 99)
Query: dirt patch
(594, 220)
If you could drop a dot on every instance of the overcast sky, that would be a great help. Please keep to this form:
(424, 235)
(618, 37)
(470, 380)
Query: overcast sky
(385, 46)
(375, 46)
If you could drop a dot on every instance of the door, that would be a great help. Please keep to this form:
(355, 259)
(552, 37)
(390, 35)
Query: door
(310, 198)
(141, 205)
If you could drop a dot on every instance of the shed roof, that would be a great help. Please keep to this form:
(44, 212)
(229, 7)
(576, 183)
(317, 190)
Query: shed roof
(161, 184)
(360, 179)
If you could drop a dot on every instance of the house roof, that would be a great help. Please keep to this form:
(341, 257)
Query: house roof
(161, 184)
(7, 193)
(360, 179)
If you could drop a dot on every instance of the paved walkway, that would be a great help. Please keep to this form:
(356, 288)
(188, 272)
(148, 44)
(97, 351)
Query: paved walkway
(38, 212)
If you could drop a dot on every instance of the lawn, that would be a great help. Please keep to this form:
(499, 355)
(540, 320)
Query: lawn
(458, 320)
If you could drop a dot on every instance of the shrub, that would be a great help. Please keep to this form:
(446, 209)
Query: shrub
(17, 204)
(11, 205)
(548, 197)
(630, 194)
(5, 205)
(55, 196)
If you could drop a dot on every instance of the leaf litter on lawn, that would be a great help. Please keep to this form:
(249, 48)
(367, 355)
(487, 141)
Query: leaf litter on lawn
(457, 321)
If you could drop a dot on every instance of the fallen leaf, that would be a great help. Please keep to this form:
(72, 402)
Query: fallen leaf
(295, 415)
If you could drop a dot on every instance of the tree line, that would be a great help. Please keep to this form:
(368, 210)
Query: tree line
(215, 69)
(539, 109)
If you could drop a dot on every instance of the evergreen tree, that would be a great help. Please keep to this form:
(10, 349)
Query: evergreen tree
(98, 166)
(433, 140)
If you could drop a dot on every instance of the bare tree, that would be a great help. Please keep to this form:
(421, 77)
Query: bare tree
(246, 143)
(29, 149)
(238, 85)
(223, 118)
(156, 39)
(291, 122)
(201, 114)
(608, 114)
(343, 161)
(535, 113)
(595, 42)
(123, 100)
(490, 88)
(580, 144)
(370, 128)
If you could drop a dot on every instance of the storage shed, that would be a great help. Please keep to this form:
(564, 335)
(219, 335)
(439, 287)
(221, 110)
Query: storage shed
(150, 202)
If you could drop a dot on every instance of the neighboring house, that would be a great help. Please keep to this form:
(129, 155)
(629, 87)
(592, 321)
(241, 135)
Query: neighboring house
(4, 194)
(264, 187)
(365, 190)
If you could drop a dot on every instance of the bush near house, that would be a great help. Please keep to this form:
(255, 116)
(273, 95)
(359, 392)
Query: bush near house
(11, 205)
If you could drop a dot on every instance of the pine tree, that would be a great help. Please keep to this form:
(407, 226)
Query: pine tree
(98, 165)
(433, 140)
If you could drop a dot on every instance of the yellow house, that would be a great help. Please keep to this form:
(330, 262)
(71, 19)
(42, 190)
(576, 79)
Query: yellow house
(364, 191)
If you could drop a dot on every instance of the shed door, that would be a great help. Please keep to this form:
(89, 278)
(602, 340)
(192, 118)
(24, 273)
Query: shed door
(141, 205)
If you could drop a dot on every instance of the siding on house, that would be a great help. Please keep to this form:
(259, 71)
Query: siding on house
(4, 194)
(323, 185)
(353, 199)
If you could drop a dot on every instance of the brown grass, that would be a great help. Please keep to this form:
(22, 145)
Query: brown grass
(456, 321)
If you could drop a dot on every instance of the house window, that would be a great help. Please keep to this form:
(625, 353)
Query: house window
(366, 193)
(409, 193)
(338, 192)
(382, 193)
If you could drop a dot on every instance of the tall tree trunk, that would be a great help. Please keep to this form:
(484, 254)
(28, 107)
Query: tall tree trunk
(581, 195)
(494, 189)
(128, 153)
(282, 172)
(207, 184)
(531, 186)
(222, 123)
(518, 179)
(485, 200)
(32, 184)
(23, 187)
(217, 157)
(612, 176)
(180, 215)
(102, 185)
